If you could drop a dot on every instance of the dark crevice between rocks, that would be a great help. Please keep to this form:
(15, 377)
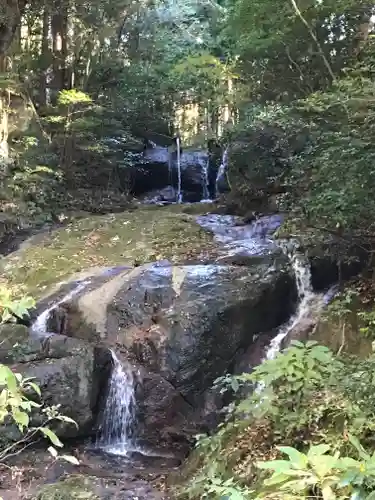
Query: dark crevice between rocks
(103, 366)
(326, 270)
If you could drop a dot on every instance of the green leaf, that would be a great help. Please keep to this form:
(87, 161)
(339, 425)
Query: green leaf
(299, 460)
(276, 465)
(51, 436)
(70, 459)
(297, 343)
(21, 418)
(52, 451)
(35, 388)
(64, 418)
(5, 373)
(320, 449)
(276, 479)
(357, 445)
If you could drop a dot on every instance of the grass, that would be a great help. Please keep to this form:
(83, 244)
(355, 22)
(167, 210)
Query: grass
(130, 238)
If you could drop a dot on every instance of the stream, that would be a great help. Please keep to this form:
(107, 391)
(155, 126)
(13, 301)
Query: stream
(117, 453)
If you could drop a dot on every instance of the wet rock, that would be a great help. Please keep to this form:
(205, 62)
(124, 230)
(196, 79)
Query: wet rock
(64, 370)
(158, 169)
(73, 488)
(184, 325)
(167, 195)
(162, 413)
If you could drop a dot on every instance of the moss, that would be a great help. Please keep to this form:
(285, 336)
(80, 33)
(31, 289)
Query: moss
(73, 488)
(129, 238)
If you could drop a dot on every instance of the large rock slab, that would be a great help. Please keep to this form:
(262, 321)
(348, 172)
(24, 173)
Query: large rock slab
(185, 323)
(138, 236)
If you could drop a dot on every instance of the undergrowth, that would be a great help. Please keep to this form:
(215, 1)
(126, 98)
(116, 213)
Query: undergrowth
(309, 404)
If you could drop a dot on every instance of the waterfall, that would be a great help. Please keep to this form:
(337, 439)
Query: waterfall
(222, 169)
(39, 327)
(116, 433)
(179, 194)
(306, 297)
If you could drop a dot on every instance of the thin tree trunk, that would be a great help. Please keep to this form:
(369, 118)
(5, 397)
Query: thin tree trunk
(59, 24)
(4, 128)
(11, 12)
(314, 37)
(42, 98)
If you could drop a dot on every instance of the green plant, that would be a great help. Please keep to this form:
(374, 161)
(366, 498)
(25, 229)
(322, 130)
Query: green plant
(12, 308)
(297, 369)
(16, 406)
(367, 327)
(318, 474)
(285, 381)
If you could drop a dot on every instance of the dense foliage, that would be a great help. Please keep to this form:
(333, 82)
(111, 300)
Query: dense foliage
(308, 404)
(85, 83)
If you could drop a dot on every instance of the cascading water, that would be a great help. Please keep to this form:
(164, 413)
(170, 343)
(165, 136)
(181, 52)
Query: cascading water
(254, 239)
(117, 430)
(222, 170)
(39, 327)
(306, 299)
(179, 193)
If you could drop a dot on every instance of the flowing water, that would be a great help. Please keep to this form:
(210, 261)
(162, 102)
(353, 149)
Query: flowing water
(39, 327)
(222, 171)
(117, 429)
(255, 239)
(307, 300)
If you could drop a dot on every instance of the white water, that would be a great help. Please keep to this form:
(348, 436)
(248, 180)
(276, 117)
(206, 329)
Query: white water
(116, 434)
(306, 299)
(222, 169)
(255, 239)
(39, 327)
(179, 193)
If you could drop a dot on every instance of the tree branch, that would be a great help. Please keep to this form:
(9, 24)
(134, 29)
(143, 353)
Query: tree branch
(314, 37)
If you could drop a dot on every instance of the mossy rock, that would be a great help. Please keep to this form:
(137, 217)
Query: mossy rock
(130, 238)
(12, 334)
(72, 488)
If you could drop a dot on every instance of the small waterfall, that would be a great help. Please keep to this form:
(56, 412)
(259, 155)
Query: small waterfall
(306, 298)
(222, 169)
(116, 433)
(179, 194)
(39, 327)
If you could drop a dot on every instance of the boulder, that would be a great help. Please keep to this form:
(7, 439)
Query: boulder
(164, 195)
(72, 488)
(164, 418)
(64, 370)
(185, 323)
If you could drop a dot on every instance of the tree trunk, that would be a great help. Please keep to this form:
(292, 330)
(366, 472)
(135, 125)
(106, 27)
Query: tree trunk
(4, 111)
(59, 25)
(44, 58)
(10, 18)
